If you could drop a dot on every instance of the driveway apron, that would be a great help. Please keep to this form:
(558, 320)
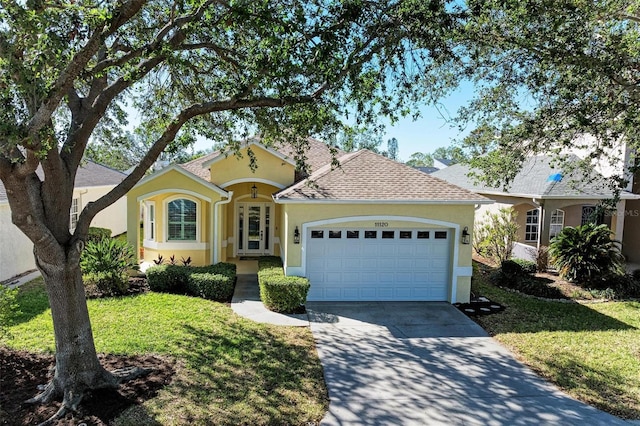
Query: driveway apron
(414, 363)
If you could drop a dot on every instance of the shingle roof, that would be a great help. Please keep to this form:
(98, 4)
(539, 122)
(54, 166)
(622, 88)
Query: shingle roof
(317, 155)
(89, 174)
(536, 178)
(367, 176)
(428, 169)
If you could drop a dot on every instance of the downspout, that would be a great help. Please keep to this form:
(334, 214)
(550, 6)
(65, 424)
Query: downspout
(216, 215)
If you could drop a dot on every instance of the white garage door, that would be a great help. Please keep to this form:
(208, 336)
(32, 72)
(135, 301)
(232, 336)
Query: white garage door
(373, 264)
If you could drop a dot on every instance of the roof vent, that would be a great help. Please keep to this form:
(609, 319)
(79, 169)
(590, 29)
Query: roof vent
(556, 177)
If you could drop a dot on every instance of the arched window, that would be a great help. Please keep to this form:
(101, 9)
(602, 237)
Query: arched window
(532, 225)
(557, 223)
(182, 223)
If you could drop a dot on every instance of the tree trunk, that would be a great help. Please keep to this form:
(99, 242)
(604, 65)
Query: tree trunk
(77, 366)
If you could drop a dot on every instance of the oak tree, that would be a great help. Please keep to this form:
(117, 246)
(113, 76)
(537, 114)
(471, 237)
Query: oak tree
(224, 69)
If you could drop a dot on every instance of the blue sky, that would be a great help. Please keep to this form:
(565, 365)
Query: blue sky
(435, 128)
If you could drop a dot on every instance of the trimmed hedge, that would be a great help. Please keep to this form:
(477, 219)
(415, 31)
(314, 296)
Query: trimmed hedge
(528, 266)
(211, 286)
(214, 282)
(278, 292)
(96, 234)
(108, 282)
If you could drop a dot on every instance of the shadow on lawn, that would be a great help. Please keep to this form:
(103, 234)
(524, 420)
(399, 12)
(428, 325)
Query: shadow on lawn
(241, 374)
(32, 300)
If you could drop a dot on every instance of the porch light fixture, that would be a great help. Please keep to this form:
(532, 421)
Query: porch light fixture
(466, 237)
(254, 191)
(296, 236)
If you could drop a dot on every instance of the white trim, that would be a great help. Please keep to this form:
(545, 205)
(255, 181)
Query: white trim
(165, 218)
(148, 226)
(224, 156)
(253, 179)
(186, 173)
(215, 257)
(174, 245)
(454, 268)
(400, 201)
(623, 195)
(177, 191)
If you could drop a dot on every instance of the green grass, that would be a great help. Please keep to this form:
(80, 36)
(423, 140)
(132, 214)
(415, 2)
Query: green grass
(591, 351)
(230, 370)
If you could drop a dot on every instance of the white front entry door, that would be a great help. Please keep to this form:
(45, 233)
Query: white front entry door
(254, 228)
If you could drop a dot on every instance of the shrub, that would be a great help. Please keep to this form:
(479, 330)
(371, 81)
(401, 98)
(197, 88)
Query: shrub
(210, 286)
(168, 278)
(8, 307)
(524, 283)
(214, 282)
(542, 259)
(622, 286)
(528, 266)
(96, 234)
(495, 236)
(278, 292)
(586, 253)
(105, 263)
(107, 282)
(511, 268)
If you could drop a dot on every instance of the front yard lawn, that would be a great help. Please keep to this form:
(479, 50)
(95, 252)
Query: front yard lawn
(228, 370)
(590, 350)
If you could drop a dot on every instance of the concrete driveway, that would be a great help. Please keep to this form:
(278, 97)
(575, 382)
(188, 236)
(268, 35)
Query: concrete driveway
(428, 364)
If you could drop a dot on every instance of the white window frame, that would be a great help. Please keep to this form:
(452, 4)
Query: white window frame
(166, 219)
(557, 223)
(531, 228)
(74, 214)
(150, 233)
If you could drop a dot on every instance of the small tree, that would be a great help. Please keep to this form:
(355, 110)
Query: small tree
(586, 253)
(495, 236)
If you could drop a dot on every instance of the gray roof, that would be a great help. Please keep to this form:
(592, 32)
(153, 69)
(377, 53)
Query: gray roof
(444, 161)
(89, 174)
(428, 169)
(367, 176)
(537, 178)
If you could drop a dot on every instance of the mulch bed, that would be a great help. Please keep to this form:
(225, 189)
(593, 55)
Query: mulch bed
(480, 306)
(22, 372)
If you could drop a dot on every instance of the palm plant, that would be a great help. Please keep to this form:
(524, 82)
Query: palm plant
(586, 253)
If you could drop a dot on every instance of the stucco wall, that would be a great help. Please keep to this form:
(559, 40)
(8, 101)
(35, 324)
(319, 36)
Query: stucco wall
(269, 167)
(16, 250)
(113, 217)
(163, 188)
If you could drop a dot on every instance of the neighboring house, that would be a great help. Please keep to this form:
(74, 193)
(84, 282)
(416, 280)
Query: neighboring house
(372, 229)
(546, 200)
(427, 169)
(92, 181)
(441, 163)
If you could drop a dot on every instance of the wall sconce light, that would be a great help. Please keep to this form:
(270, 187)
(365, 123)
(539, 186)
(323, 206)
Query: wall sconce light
(466, 237)
(254, 191)
(296, 236)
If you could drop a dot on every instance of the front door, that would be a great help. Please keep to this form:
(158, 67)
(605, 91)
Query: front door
(254, 230)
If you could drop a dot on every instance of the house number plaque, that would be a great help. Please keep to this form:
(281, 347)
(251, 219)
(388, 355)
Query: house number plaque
(381, 224)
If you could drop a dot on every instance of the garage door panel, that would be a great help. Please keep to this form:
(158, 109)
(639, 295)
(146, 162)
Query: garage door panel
(378, 269)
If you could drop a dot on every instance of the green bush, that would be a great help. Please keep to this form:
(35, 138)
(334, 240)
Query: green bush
(528, 266)
(622, 286)
(168, 278)
(107, 282)
(586, 254)
(278, 292)
(526, 284)
(511, 268)
(211, 286)
(97, 234)
(214, 282)
(496, 235)
(106, 262)
(8, 307)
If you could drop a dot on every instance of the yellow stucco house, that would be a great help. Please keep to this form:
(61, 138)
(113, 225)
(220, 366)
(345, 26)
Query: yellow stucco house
(372, 229)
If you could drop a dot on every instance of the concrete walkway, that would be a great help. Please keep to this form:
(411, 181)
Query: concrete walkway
(13, 283)
(246, 303)
(428, 364)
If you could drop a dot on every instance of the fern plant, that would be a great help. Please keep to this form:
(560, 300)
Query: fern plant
(586, 253)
